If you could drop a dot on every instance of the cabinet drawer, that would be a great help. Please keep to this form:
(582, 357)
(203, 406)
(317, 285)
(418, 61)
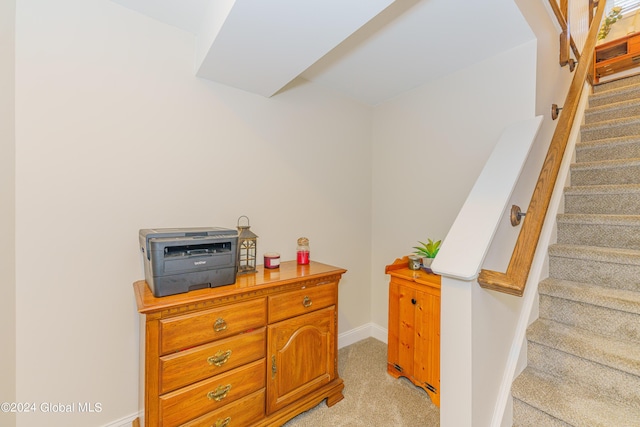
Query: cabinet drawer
(180, 332)
(212, 394)
(634, 45)
(242, 412)
(294, 303)
(189, 366)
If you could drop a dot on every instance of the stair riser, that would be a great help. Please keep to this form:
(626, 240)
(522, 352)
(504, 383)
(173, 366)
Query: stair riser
(619, 96)
(607, 203)
(618, 324)
(632, 80)
(605, 380)
(612, 113)
(608, 152)
(620, 130)
(628, 174)
(601, 273)
(527, 416)
(602, 235)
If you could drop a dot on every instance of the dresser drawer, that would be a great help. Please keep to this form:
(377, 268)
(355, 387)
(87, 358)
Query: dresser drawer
(212, 394)
(294, 303)
(190, 366)
(180, 332)
(241, 413)
(634, 45)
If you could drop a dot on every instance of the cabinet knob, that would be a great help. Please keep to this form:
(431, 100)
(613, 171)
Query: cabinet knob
(306, 301)
(220, 325)
(413, 301)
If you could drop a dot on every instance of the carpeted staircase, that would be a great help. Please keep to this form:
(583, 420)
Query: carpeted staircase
(583, 352)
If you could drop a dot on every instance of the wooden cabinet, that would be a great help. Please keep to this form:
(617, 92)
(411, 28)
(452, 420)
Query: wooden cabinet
(414, 327)
(302, 355)
(616, 55)
(255, 353)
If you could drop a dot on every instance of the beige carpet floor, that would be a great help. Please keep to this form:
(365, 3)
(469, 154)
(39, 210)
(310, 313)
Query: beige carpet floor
(371, 396)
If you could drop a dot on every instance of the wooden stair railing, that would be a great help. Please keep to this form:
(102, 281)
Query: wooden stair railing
(513, 281)
(566, 41)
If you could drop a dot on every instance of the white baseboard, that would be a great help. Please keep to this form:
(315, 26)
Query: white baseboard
(123, 422)
(362, 332)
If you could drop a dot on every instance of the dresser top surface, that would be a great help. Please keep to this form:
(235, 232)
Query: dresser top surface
(264, 278)
(400, 269)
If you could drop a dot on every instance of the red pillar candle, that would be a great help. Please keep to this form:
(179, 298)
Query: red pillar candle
(303, 251)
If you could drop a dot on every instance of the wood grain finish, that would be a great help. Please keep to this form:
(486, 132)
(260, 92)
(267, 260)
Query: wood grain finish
(514, 280)
(302, 301)
(243, 412)
(566, 41)
(187, 403)
(414, 327)
(303, 357)
(196, 328)
(186, 367)
(617, 55)
(208, 353)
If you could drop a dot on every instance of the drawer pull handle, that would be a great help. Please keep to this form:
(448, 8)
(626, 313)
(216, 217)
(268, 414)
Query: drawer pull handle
(222, 423)
(220, 358)
(220, 325)
(306, 301)
(219, 393)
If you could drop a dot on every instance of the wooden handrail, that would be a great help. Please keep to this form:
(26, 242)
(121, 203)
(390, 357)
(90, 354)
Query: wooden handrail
(566, 40)
(513, 281)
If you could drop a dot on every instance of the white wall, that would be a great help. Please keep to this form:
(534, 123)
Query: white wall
(630, 23)
(113, 134)
(7, 210)
(429, 146)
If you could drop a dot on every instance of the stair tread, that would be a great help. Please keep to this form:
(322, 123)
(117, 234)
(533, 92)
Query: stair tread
(605, 164)
(615, 299)
(573, 403)
(599, 219)
(610, 93)
(619, 140)
(615, 353)
(616, 82)
(613, 106)
(602, 189)
(611, 123)
(596, 253)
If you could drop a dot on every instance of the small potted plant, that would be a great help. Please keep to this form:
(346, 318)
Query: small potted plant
(427, 251)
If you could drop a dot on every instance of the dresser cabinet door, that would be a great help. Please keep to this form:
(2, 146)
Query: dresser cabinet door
(301, 357)
(402, 327)
(426, 367)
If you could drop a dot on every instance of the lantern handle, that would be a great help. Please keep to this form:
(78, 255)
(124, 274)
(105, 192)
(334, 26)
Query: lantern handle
(244, 216)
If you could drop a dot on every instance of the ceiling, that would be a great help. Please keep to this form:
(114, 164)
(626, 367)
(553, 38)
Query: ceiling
(370, 50)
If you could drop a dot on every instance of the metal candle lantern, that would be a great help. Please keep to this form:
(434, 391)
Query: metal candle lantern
(247, 248)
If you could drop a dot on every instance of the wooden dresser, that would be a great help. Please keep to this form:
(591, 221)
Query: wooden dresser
(255, 353)
(414, 327)
(616, 55)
